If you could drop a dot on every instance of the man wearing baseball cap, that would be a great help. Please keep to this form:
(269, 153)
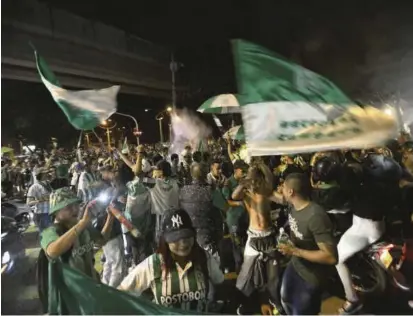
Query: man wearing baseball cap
(71, 239)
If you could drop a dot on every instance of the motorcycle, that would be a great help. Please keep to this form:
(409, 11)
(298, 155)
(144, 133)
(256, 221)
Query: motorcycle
(20, 215)
(388, 261)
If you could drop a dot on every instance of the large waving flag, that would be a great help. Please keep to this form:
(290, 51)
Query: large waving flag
(289, 109)
(85, 109)
(73, 293)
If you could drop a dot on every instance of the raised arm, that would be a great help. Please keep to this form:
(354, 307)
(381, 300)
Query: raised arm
(229, 149)
(126, 160)
(63, 243)
(239, 192)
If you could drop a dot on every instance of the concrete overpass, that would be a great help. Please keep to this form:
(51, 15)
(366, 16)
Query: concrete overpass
(82, 53)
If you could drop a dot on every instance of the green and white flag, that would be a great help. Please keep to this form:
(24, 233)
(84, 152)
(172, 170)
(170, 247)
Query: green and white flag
(71, 292)
(85, 109)
(288, 109)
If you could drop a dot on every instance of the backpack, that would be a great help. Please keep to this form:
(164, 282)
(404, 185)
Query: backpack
(42, 271)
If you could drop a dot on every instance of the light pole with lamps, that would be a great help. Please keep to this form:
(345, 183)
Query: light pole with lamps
(108, 128)
(159, 117)
(87, 139)
(136, 124)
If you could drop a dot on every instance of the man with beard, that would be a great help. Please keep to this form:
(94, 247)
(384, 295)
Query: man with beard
(313, 248)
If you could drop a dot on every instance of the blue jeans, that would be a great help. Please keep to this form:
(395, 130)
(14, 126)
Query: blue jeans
(42, 221)
(299, 297)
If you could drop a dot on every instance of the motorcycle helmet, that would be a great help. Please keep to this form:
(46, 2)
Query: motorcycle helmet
(380, 168)
(326, 169)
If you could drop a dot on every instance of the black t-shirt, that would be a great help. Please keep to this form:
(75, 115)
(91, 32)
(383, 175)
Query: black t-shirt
(375, 200)
(310, 226)
(125, 174)
(331, 198)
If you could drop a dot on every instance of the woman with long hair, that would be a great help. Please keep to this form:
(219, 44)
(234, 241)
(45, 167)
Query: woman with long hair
(180, 272)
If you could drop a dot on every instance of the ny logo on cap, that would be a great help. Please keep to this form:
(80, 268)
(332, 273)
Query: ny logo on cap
(176, 221)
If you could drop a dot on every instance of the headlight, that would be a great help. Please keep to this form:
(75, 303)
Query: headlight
(5, 258)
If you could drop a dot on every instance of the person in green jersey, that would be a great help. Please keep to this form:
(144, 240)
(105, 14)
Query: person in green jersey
(180, 273)
(70, 239)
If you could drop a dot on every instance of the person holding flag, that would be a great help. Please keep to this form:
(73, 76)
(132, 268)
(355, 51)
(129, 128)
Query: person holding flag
(180, 272)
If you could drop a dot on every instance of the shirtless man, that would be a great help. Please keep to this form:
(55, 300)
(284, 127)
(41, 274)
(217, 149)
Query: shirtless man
(255, 192)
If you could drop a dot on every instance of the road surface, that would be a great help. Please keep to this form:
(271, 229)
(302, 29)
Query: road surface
(25, 297)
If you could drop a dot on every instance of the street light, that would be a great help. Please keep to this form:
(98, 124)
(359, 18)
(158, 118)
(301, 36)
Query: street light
(159, 117)
(136, 124)
(87, 139)
(104, 125)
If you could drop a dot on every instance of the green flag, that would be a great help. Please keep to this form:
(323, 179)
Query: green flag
(85, 109)
(73, 293)
(289, 109)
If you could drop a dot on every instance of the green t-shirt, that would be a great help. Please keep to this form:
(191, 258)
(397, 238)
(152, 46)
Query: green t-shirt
(218, 199)
(81, 256)
(234, 214)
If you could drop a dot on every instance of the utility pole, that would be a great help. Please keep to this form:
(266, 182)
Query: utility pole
(174, 68)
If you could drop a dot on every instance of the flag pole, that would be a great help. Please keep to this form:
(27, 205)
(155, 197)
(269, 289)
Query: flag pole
(99, 139)
(174, 68)
(79, 156)
(136, 124)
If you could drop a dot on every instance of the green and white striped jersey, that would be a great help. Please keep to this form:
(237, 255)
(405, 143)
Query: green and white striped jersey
(179, 288)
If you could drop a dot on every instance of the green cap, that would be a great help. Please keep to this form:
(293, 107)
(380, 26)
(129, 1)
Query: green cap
(61, 198)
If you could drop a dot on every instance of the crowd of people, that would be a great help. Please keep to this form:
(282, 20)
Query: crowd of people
(190, 208)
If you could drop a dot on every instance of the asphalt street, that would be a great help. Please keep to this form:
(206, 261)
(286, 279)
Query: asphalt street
(20, 297)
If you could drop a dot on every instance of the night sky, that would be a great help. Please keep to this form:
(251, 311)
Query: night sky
(347, 41)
